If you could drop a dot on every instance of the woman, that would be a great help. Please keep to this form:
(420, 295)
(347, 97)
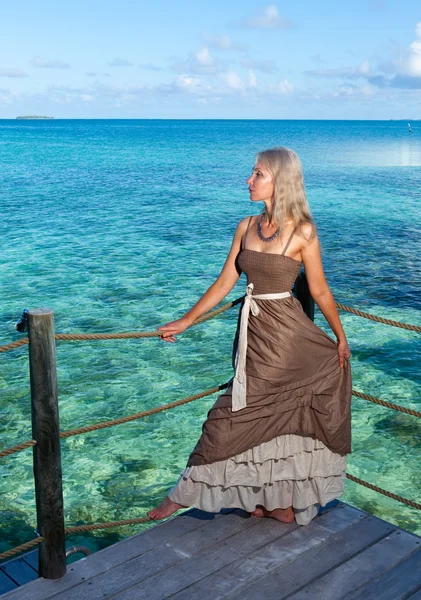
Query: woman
(275, 442)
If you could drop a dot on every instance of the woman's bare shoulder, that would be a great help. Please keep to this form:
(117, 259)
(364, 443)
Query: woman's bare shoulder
(308, 231)
(243, 224)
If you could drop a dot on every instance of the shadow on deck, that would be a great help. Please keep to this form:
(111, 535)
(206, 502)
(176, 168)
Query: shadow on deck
(343, 553)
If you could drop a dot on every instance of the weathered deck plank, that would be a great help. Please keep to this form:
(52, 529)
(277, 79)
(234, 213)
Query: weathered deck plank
(344, 553)
(395, 584)
(256, 564)
(109, 557)
(369, 563)
(313, 563)
(221, 553)
(174, 552)
(146, 553)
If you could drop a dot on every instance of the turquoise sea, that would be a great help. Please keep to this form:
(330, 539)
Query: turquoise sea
(121, 225)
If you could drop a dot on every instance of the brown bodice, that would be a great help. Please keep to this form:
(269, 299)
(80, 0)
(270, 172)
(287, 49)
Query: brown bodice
(270, 273)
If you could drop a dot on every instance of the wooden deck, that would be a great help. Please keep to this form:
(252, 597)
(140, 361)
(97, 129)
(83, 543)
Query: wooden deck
(343, 553)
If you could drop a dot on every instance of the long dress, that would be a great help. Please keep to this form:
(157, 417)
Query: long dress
(287, 445)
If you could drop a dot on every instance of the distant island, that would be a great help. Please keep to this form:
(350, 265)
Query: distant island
(35, 117)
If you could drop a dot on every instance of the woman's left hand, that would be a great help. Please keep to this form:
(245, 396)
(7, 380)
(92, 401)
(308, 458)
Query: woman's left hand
(343, 352)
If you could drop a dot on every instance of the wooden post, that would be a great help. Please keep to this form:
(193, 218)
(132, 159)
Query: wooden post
(302, 293)
(46, 452)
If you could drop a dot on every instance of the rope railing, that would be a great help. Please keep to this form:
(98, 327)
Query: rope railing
(380, 490)
(164, 407)
(126, 419)
(403, 409)
(17, 448)
(107, 525)
(367, 315)
(145, 413)
(14, 345)
(21, 548)
(150, 334)
(75, 337)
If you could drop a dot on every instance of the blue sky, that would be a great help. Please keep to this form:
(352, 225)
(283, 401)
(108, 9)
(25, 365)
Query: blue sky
(196, 59)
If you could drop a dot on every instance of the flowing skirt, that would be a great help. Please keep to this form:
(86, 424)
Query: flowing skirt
(289, 470)
(288, 446)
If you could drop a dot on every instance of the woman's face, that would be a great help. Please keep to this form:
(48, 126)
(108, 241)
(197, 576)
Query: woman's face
(260, 184)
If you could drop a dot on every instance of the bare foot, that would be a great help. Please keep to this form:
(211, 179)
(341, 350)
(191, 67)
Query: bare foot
(164, 510)
(285, 515)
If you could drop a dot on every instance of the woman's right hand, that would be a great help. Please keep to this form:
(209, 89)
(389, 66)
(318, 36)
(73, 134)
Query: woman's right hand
(168, 331)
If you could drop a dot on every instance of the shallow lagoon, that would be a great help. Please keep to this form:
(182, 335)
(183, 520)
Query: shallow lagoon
(122, 225)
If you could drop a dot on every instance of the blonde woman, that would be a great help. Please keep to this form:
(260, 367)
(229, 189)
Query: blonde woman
(275, 443)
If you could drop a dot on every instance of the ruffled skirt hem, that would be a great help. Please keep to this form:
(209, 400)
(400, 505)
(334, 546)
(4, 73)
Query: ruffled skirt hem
(290, 470)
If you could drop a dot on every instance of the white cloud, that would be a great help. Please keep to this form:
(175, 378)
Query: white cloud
(265, 66)
(120, 62)
(150, 67)
(252, 79)
(200, 63)
(269, 19)
(365, 68)
(353, 91)
(13, 73)
(39, 63)
(223, 42)
(204, 57)
(343, 72)
(414, 59)
(285, 87)
(403, 72)
(87, 97)
(232, 80)
(188, 82)
(94, 74)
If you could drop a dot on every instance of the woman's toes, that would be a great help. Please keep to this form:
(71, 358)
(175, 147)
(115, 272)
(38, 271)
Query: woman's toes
(283, 515)
(165, 509)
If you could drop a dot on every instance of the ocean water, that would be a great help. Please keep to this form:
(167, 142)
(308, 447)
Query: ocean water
(123, 225)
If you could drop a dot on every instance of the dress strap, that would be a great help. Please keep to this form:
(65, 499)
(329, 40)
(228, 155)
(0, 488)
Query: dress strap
(289, 240)
(243, 240)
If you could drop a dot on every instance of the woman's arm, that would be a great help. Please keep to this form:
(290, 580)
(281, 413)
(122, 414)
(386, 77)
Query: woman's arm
(321, 293)
(226, 280)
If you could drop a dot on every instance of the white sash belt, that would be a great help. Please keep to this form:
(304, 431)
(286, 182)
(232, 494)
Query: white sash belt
(239, 382)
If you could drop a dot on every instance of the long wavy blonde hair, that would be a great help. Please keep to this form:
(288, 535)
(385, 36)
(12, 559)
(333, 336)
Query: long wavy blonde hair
(289, 195)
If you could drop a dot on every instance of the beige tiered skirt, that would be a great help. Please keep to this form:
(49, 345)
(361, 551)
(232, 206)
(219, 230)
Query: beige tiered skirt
(289, 470)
